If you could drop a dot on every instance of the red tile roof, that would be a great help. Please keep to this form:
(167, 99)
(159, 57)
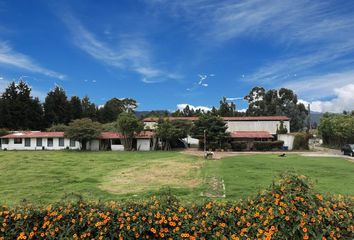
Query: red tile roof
(251, 134)
(34, 134)
(156, 119)
(104, 135)
(255, 118)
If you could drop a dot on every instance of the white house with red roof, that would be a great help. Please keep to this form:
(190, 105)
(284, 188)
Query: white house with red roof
(36, 140)
(260, 128)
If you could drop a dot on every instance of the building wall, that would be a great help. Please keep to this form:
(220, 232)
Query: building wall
(269, 126)
(93, 145)
(288, 140)
(117, 147)
(150, 125)
(13, 146)
(143, 144)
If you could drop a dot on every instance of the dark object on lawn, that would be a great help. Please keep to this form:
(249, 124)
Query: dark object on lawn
(348, 149)
(282, 155)
(208, 155)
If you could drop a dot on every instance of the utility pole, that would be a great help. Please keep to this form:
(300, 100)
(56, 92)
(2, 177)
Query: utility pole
(308, 118)
(205, 141)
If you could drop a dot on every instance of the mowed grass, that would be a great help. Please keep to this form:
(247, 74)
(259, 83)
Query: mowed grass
(45, 177)
(248, 174)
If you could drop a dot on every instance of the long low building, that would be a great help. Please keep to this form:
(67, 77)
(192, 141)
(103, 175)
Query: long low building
(37, 140)
(260, 128)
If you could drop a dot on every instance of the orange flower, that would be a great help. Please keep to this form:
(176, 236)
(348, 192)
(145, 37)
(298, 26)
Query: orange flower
(304, 229)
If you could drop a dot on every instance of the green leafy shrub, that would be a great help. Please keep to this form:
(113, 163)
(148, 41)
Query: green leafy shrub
(239, 145)
(288, 209)
(267, 146)
(301, 141)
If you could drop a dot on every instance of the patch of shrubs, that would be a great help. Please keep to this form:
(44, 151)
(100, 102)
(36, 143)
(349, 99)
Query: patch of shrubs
(239, 145)
(288, 209)
(301, 141)
(267, 145)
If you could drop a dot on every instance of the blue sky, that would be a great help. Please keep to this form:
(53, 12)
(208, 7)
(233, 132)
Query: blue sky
(168, 53)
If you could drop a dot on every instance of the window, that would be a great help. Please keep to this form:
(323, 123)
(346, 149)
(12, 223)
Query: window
(39, 142)
(72, 143)
(5, 141)
(116, 142)
(61, 142)
(18, 140)
(50, 142)
(27, 142)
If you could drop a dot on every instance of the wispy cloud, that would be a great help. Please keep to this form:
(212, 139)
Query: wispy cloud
(318, 86)
(201, 82)
(10, 57)
(131, 53)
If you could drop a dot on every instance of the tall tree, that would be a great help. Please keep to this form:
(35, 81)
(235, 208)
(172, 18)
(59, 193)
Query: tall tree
(171, 131)
(114, 107)
(56, 107)
(19, 110)
(277, 102)
(83, 130)
(128, 125)
(89, 109)
(75, 108)
(215, 127)
(227, 109)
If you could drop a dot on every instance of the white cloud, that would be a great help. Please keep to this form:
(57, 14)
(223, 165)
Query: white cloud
(343, 100)
(320, 86)
(182, 106)
(11, 58)
(131, 54)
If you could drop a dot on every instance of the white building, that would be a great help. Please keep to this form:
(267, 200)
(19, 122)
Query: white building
(251, 128)
(36, 140)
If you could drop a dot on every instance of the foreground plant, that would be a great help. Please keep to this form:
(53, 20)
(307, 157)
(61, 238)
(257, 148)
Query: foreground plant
(288, 209)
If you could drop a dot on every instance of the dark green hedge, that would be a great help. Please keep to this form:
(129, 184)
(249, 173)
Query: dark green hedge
(267, 146)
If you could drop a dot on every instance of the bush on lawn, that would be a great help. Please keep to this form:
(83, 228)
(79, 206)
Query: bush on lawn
(288, 209)
(239, 145)
(301, 141)
(267, 146)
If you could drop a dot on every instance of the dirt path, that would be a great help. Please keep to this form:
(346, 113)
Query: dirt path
(318, 152)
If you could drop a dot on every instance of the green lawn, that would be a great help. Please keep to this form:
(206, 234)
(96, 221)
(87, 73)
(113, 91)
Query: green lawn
(245, 175)
(44, 177)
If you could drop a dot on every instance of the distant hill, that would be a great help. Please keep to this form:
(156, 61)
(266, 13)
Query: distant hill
(315, 117)
(141, 114)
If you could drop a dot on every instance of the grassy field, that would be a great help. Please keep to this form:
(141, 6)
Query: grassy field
(45, 177)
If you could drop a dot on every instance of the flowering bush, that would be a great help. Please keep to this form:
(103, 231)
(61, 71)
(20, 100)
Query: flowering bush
(288, 209)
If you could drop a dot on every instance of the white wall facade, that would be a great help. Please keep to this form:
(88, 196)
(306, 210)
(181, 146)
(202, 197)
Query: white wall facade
(143, 144)
(269, 126)
(150, 125)
(288, 140)
(93, 145)
(33, 144)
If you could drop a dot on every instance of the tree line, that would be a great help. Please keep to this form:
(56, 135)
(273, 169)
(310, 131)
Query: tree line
(19, 110)
(337, 129)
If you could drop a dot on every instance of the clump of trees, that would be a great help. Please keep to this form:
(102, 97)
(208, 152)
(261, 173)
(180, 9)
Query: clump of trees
(170, 132)
(277, 102)
(83, 130)
(129, 126)
(216, 135)
(337, 129)
(19, 110)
